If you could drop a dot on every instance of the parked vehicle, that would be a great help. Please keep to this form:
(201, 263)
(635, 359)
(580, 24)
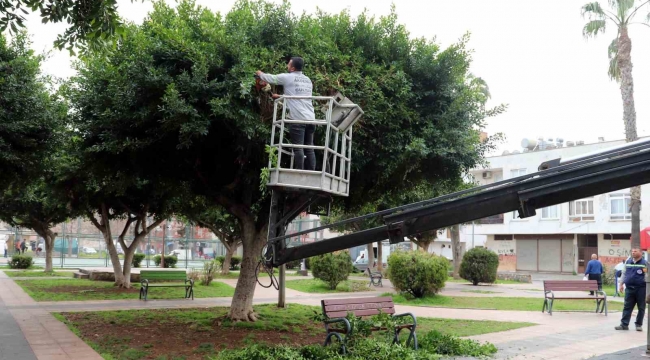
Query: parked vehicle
(88, 250)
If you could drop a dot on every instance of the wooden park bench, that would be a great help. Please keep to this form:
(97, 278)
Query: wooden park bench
(335, 311)
(553, 286)
(146, 276)
(375, 277)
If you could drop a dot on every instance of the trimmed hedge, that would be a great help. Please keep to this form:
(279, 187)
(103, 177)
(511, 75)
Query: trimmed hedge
(479, 265)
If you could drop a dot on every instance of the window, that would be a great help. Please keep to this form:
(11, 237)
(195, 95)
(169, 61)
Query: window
(517, 172)
(619, 207)
(551, 213)
(513, 174)
(581, 210)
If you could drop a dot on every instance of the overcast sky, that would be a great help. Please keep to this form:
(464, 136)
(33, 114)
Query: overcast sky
(531, 53)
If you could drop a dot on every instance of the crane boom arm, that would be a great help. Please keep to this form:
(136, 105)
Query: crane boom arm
(581, 177)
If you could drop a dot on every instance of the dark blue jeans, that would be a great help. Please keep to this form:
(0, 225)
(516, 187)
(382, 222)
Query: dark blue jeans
(634, 296)
(302, 134)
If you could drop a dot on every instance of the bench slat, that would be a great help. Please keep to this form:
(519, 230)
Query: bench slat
(357, 300)
(168, 285)
(570, 285)
(369, 312)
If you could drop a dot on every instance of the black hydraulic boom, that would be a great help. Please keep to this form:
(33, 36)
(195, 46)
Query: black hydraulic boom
(558, 181)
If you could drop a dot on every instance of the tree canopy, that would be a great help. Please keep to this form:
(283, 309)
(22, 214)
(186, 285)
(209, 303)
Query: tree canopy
(90, 22)
(177, 104)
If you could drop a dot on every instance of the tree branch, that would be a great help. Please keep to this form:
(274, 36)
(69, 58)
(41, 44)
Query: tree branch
(155, 223)
(95, 222)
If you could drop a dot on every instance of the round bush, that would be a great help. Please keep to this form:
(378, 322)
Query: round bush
(170, 261)
(332, 268)
(479, 265)
(137, 259)
(235, 261)
(417, 273)
(21, 262)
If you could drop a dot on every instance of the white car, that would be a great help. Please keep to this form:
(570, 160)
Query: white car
(88, 250)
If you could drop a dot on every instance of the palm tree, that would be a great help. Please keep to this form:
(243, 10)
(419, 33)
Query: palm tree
(620, 69)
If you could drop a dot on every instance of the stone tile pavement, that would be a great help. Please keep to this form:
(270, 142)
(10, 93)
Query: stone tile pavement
(46, 337)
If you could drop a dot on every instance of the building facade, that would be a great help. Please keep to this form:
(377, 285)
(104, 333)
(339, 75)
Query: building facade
(563, 237)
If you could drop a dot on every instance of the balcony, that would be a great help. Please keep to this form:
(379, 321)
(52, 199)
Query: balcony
(494, 219)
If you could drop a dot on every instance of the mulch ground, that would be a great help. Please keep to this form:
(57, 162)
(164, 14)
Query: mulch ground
(172, 339)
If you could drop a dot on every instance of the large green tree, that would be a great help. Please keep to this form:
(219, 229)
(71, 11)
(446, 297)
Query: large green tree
(27, 112)
(90, 22)
(621, 15)
(32, 121)
(181, 94)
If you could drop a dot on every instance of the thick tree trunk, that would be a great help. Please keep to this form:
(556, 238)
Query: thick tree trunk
(48, 236)
(380, 258)
(230, 251)
(629, 120)
(49, 248)
(241, 308)
(115, 261)
(456, 249)
(371, 255)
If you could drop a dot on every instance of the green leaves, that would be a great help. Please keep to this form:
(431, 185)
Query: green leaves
(593, 27)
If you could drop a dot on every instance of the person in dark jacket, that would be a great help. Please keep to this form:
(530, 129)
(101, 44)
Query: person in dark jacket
(595, 271)
(634, 279)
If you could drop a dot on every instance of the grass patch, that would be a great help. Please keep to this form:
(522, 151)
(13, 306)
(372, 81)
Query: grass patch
(81, 289)
(315, 286)
(501, 303)
(502, 282)
(481, 291)
(205, 331)
(36, 274)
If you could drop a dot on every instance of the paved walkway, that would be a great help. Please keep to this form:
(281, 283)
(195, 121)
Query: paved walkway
(561, 336)
(48, 338)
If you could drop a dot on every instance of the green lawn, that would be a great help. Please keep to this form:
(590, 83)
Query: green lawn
(235, 274)
(29, 273)
(481, 291)
(501, 303)
(318, 286)
(451, 279)
(78, 289)
(200, 333)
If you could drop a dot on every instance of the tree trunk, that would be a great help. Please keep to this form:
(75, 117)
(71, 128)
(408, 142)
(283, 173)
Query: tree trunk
(48, 236)
(456, 249)
(241, 308)
(49, 248)
(230, 251)
(128, 258)
(380, 258)
(115, 261)
(371, 255)
(629, 120)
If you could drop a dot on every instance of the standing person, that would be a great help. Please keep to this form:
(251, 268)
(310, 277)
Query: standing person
(297, 84)
(594, 271)
(634, 279)
(23, 246)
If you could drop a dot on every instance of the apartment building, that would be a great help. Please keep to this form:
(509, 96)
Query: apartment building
(559, 238)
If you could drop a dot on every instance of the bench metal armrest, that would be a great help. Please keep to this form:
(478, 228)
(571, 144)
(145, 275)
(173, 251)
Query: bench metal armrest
(345, 321)
(415, 322)
(546, 292)
(144, 282)
(189, 281)
(602, 292)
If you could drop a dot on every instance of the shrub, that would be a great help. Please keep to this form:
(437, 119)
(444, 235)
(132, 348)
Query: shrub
(210, 269)
(137, 259)
(170, 261)
(430, 347)
(479, 265)
(609, 273)
(194, 274)
(21, 262)
(220, 259)
(417, 273)
(332, 268)
(235, 262)
(438, 343)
